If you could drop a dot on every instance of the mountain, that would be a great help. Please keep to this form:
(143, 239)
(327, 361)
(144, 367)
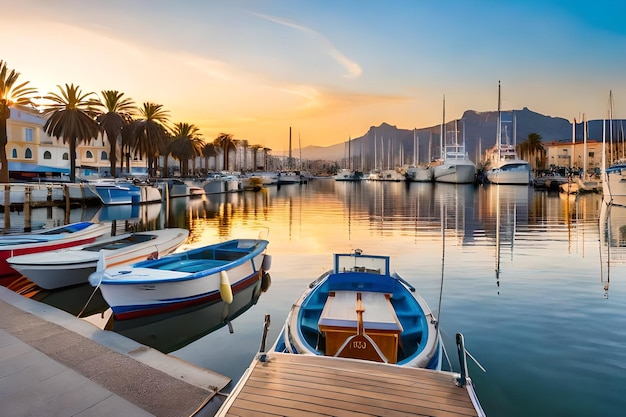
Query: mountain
(389, 145)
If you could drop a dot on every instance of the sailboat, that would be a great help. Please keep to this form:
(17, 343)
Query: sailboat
(613, 176)
(505, 167)
(416, 172)
(348, 174)
(582, 183)
(455, 166)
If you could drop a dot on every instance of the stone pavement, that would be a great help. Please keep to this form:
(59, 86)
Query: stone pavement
(54, 364)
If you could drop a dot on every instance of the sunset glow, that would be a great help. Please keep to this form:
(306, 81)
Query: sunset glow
(328, 69)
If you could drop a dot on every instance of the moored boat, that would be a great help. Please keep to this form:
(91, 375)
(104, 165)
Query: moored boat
(116, 191)
(194, 277)
(361, 310)
(60, 237)
(66, 267)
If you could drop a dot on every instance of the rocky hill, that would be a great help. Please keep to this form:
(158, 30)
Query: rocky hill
(390, 145)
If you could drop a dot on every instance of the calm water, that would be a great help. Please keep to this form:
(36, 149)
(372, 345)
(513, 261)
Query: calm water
(530, 278)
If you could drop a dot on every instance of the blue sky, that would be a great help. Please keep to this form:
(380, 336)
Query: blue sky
(328, 69)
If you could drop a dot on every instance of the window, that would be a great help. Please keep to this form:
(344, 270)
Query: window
(66, 156)
(104, 156)
(28, 134)
(89, 155)
(14, 153)
(28, 154)
(47, 155)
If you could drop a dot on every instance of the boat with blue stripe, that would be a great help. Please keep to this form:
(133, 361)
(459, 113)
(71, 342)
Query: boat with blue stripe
(190, 278)
(362, 310)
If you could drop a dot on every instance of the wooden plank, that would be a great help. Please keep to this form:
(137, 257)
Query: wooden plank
(296, 385)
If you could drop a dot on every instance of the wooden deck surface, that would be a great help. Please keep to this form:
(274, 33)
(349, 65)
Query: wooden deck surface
(301, 385)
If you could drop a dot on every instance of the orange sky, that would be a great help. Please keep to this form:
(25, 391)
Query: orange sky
(327, 69)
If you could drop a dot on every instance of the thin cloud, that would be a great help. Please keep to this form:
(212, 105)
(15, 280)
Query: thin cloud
(353, 68)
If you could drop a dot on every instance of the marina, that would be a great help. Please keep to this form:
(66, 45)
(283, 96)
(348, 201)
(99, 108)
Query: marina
(516, 270)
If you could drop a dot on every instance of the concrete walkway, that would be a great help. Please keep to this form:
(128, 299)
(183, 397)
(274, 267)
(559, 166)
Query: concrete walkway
(53, 364)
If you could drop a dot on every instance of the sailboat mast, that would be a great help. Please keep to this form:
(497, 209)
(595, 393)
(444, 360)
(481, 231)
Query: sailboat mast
(584, 146)
(443, 130)
(349, 154)
(289, 160)
(415, 149)
(499, 129)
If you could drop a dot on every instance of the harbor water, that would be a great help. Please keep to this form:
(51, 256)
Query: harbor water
(535, 281)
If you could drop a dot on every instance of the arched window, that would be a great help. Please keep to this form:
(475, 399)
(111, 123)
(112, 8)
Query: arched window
(66, 156)
(104, 156)
(89, 155)
(14, 153)
(47, 155)
(28, 154)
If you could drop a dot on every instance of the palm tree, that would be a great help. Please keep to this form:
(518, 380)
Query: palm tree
(149, 134)
(224, 141)
(10, 94)
(186, 145)
(70, 117)
(116, 112)
(532, 147)
(208, 150)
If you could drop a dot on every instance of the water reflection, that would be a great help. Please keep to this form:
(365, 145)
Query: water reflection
(612, 241)
(169, 332)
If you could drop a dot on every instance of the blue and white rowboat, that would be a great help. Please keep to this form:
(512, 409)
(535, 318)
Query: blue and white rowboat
(194, 277)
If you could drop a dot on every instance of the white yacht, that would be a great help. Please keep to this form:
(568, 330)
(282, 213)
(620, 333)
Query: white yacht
(505, 167)
(455, 166)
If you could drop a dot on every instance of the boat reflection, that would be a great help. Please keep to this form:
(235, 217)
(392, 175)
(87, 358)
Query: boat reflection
(612, 241)
(507, 205)
(168, 332)
(78, 300)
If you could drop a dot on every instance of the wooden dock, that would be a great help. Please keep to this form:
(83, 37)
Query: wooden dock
(303, 385)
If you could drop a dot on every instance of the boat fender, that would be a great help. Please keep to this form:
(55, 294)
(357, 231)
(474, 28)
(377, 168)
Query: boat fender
(266, 281)
(267, 262)
(226, 292)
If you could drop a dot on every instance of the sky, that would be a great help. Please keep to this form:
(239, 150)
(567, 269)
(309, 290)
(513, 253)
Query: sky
(328, 69)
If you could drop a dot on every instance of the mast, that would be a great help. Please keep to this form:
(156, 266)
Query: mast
(300, 146)
(499, 129)
(573, 144)
(443, 128)
(289, 160)
(415, 149)
(349, 154)
(584, 146)
(611, 125)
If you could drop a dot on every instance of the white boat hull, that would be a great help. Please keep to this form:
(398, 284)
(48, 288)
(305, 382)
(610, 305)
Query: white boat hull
(420, 174)
(513, 174)
(455, 173)
(614, 186)
(140, 290)
(64, 268)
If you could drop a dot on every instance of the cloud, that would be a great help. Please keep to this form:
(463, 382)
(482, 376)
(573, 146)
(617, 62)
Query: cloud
(353, 68)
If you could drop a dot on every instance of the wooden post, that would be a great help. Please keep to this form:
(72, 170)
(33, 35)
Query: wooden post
(66, 192)
(27, 202)
(7, 206)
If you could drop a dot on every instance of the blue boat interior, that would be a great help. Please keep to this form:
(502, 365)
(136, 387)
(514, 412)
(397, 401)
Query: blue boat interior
(407, 309)
(70, 228)
(201, 259)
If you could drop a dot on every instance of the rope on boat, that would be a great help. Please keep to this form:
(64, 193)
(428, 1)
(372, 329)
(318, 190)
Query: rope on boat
(100, 267)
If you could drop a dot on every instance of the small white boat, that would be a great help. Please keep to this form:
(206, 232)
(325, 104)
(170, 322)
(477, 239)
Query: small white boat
(66, 267)
(44, 240)
(115, 191)
(191, 278)
(361, 310)
(221, 183)
(419, 173)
